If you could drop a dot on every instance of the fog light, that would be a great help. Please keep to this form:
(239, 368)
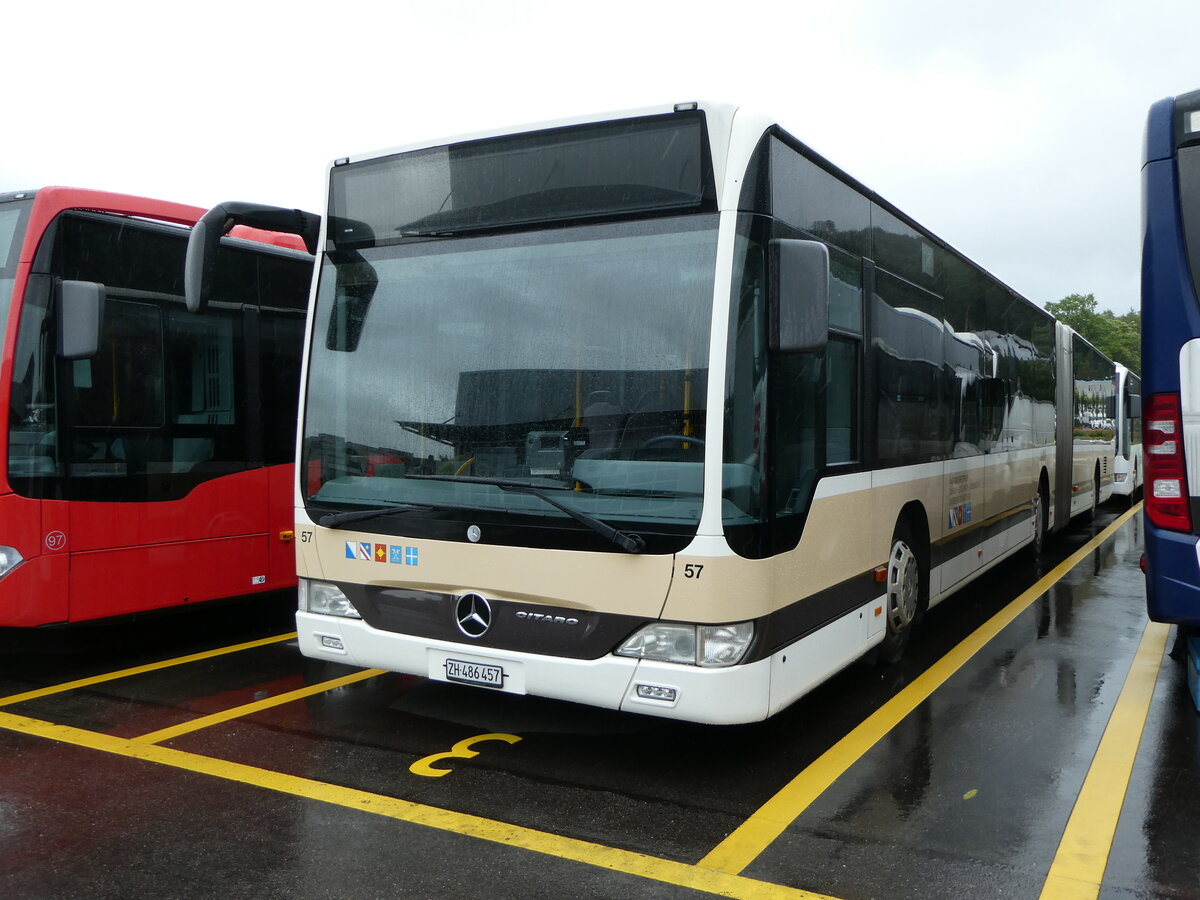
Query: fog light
(656, 692)
(332, 643)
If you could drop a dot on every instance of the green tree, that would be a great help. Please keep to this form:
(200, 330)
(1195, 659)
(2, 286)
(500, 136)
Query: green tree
(1117, 337)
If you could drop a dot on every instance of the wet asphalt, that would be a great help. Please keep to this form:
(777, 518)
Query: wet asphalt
(968, 795)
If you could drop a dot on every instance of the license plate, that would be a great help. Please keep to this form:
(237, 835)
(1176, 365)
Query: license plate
(474, 673)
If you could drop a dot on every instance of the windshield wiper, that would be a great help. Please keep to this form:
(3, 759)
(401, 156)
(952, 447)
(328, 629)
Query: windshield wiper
(627, 541)
(333, 520)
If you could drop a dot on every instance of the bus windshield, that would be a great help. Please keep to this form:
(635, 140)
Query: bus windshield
(573, 359)
(165, 403)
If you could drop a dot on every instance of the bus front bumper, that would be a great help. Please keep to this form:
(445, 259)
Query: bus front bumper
(721, 696)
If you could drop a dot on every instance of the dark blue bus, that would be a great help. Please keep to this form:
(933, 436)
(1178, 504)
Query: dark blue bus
(1171, 361)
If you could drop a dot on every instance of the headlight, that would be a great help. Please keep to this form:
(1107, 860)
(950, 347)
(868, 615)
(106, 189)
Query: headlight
(710, 646)
(724, 645)
(325, 599)
(10, 558)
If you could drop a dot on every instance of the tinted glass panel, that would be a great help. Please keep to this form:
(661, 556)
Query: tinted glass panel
(845, 292)
(745, 391)
(841, 402)
(122, 385)
(136, 416)
(901, 249)
(10, 245)
(1133, 395)
(634, 166)
(1025, 369)
(281, 333)
(33, 404)
(788, 415)
(575, 357)
(1093, 388)
(170, 398)
(11, 234)
(812, 199)
(915, 412)
(965, 288)
(1189, 201)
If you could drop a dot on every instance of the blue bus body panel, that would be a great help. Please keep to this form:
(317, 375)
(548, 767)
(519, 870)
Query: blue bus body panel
(1160, 137)
(1172, 576)
(1170, 318)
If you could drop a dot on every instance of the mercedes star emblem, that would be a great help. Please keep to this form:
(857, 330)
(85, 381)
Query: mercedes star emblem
(473, 614)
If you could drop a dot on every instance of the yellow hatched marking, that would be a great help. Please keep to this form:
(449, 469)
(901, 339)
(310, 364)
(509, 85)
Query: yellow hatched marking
(140, 670)
(759, 831)
(1078, 868)
(611, 858)
(247, 709)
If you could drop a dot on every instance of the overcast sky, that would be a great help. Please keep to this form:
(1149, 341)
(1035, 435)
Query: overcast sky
(1011, 129)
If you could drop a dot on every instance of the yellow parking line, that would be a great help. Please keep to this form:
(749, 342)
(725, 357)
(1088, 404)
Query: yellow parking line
(139, 670)
(247, 709)
(759, 831)
(1078, 867)
(611, 858)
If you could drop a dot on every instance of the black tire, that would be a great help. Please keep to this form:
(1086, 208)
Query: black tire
(1040, 513)
(1179, 646)
(1091, 515)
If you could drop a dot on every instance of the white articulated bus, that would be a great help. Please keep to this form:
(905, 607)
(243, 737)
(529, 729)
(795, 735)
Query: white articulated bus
(661, 412)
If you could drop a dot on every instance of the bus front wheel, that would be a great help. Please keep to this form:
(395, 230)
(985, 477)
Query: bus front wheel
(904, 583)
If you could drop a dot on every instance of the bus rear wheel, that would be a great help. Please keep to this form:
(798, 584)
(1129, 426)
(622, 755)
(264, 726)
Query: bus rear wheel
(1040, 506)
(903, 596)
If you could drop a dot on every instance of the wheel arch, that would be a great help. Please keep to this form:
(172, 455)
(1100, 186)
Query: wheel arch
(913, 520)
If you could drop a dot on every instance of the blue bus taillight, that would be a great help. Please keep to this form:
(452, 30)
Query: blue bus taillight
(1167, 502)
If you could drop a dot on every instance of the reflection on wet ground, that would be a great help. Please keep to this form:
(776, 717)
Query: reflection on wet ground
(968, 795)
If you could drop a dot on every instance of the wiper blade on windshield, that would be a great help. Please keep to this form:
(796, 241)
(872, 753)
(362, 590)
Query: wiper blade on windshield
(627, 541)
(333, 520)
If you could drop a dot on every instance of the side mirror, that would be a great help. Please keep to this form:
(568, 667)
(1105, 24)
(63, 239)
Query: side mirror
(219, 221)
(80, 318)
(800, 296)
(1110, 407)
(1135, 406)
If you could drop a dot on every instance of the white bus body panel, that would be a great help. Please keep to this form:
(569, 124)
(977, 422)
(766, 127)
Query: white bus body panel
(1189, 402)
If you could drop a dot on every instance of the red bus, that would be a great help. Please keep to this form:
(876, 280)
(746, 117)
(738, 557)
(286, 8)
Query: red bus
(146, 461)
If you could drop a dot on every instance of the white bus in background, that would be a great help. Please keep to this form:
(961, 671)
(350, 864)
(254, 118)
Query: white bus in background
(658, 411)
(1127, 417)
(1086, 433)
